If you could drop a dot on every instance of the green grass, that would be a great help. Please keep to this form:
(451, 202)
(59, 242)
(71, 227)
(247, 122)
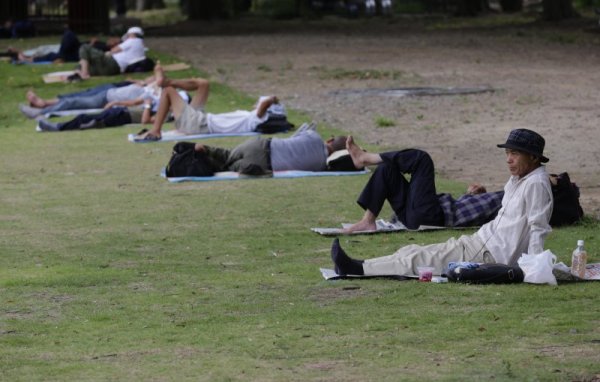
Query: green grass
(381, 121)
(109, 272)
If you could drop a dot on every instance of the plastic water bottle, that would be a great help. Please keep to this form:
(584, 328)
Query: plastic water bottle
(579, 260)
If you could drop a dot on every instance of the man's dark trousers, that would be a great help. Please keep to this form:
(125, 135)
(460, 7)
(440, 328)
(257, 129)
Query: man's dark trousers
(415, 202)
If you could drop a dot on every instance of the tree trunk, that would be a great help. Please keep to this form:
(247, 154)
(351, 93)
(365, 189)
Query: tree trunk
(89, 16)
(556, 10)
(13, 9)
(121, 8)
(470, 8)
(511, 6)
(202, 10)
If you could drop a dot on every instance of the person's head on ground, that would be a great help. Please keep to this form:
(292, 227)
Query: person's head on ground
(524, 151)
(336, 143)
(133, 32)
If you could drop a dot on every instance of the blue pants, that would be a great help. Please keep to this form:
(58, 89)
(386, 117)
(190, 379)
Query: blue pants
(93, 98)
(415, 202)
(115, 116)
(68, 51)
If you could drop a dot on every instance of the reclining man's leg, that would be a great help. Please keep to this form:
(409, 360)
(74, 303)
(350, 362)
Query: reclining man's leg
(415, 202)
(170, 100)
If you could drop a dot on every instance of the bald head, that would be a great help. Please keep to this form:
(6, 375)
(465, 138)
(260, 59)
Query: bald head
(336, 143)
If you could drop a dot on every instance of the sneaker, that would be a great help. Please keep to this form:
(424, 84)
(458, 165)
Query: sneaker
(45, 125)
(29, 111)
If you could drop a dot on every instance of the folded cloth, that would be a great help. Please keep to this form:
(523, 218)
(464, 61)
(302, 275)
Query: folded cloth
(462, 264)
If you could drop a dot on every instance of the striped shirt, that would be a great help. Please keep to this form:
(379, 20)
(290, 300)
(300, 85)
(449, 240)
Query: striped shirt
(470, 210)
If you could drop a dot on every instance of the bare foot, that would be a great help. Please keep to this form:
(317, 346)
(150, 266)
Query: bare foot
(24, 58)
(82, 74)
(361, 226)
(356, 152)
(35, 100)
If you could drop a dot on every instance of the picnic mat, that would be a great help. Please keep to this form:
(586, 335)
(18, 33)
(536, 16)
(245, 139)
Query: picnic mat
(329, 274)
(62, 75)
(562, 272)
(383, 226)
(173, 135)
(231, 175)
(64, 113)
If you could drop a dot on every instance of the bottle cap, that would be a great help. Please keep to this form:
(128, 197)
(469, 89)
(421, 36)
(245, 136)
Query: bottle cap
(580, 243)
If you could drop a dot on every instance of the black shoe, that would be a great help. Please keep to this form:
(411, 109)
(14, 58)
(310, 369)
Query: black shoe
(74, 78)
(44, 125)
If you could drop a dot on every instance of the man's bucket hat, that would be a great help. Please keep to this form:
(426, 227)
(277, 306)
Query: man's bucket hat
(527, 141)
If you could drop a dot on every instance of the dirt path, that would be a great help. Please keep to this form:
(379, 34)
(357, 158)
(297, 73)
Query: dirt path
(547, 86)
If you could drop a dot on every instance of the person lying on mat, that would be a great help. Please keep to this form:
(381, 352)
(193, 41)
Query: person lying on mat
(111, 117)
(520, 226)
(192, 119)
(114, 116)
(305, 151)
(415, 201)
(67, 51)
(95, 62)
(125, 93)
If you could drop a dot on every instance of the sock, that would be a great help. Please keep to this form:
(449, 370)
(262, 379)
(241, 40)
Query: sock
(344, 264)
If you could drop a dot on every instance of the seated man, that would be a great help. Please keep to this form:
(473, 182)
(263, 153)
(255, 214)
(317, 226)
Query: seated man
(305, 150)
(95, 62)
(192, 119)
(103, 96)
(520, 226)
(415, 202)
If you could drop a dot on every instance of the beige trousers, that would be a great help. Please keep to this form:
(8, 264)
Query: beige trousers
(404, 262)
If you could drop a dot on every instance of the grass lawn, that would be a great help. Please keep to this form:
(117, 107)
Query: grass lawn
(109, 272)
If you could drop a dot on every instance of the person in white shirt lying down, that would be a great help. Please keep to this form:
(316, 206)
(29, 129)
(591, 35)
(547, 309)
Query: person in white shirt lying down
(193, 119)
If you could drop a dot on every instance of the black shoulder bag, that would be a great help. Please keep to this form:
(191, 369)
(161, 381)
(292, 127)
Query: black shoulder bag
(185, 161)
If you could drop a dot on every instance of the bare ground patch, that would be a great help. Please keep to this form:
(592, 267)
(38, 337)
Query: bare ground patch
(548, 86)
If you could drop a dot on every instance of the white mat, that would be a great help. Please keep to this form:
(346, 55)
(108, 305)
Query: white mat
(174, 135)
(231, 175)
(329, 274)
(383, 226)
(64, 113)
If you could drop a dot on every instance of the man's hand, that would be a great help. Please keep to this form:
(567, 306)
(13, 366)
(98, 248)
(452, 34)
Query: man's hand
(199, 147)
(109, 105)
(475, 189)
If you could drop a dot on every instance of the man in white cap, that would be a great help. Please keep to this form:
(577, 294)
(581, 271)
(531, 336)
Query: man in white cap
(520, 226)
(94, 62)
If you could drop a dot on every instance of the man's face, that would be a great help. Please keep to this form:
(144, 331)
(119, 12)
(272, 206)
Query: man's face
(520, 163)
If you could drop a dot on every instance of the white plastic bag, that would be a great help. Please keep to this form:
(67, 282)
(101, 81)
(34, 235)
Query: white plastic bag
(538, 268)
